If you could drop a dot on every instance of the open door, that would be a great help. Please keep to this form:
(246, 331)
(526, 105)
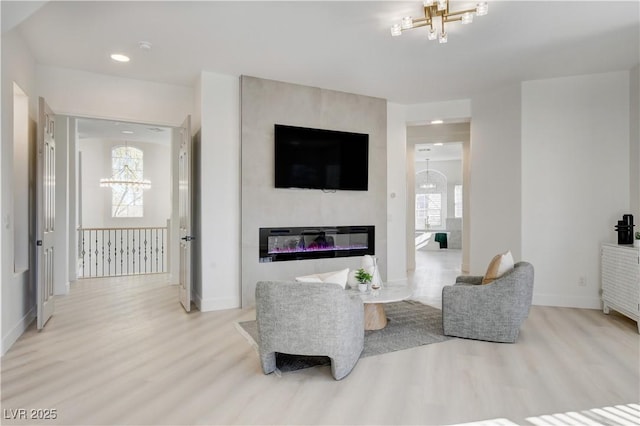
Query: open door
(184, 212)
(45, 213)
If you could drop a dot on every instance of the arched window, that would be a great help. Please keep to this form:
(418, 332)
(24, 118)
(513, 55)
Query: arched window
(127, 189)
(431, 192)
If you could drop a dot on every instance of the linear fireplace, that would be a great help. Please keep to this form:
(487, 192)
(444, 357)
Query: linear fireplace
(315, 242)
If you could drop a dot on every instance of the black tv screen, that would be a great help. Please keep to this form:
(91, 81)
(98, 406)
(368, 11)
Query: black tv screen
(321, 159)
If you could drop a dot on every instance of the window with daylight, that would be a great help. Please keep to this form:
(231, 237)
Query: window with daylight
(457, 200)
(126, 166)
(428, 211)
(431, 200)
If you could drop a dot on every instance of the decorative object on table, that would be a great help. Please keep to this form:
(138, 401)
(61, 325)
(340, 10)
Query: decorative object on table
(370, 265)
(493, 312)
(636, 242)
(624, 228)
(376, 282)
(364, 279)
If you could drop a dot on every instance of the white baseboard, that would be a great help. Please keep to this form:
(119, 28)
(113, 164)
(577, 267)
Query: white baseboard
(17, 330)
(66, 290)
(567, 301)
(216, 304)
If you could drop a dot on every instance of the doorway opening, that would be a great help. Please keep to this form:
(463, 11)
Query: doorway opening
(437, 175)
(124, 195)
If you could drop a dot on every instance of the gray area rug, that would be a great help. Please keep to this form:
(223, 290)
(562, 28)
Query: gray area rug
(410, 324)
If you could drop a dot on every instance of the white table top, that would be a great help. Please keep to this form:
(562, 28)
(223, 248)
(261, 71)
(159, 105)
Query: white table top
(387, 294)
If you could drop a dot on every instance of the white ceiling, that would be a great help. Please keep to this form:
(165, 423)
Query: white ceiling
(338, 45)
(438, 142)
(89, 128)
(448, 151)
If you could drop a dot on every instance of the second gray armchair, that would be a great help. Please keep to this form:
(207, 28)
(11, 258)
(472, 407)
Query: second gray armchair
(493, 311)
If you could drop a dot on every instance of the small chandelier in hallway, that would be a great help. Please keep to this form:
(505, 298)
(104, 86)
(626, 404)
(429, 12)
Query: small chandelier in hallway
(427, 184)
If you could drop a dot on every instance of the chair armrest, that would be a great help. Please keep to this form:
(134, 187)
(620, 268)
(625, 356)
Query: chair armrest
(469, 279)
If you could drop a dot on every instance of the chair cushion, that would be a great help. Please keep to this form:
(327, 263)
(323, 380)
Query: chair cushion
(335, 277)
(499, 265)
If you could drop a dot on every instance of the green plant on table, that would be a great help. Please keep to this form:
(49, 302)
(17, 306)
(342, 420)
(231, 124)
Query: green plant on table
(363, 276)
(638, 235)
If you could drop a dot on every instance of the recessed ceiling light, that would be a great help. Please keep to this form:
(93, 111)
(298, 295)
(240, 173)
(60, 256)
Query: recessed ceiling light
(144, 45)
(437, 121)
(127, 132)
(438, 144)
(119, 57)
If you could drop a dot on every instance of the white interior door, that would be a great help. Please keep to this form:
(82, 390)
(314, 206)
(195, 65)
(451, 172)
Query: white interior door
(184, 212)
(45, 213)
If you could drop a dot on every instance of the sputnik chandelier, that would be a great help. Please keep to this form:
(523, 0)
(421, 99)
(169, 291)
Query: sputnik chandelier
(126, 178)
(438, 10)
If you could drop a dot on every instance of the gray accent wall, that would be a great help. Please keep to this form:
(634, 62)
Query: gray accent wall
(267, 102)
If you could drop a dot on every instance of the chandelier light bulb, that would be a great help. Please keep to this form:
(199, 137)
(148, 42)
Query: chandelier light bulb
(482, 8)
(436, 15)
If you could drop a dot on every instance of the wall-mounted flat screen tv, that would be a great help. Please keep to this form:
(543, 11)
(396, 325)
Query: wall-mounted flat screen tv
(321, 159)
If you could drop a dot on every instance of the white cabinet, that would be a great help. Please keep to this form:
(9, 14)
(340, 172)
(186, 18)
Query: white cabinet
(621, 280)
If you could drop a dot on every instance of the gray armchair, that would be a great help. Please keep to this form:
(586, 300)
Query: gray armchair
(492, 312)
(316, 319)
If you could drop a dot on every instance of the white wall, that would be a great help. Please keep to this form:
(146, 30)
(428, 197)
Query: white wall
(18, 292)
(73, 192)
(61, 241)
(21, 167)
(96, 201)
(218, 203)
(511, 150)
(396, 192)
(494, 195)
(575, 180)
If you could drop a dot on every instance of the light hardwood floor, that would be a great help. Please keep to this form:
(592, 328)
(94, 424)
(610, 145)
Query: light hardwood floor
(122, 351)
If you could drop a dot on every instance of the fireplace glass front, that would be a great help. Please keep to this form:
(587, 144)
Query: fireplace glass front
(281, 244)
